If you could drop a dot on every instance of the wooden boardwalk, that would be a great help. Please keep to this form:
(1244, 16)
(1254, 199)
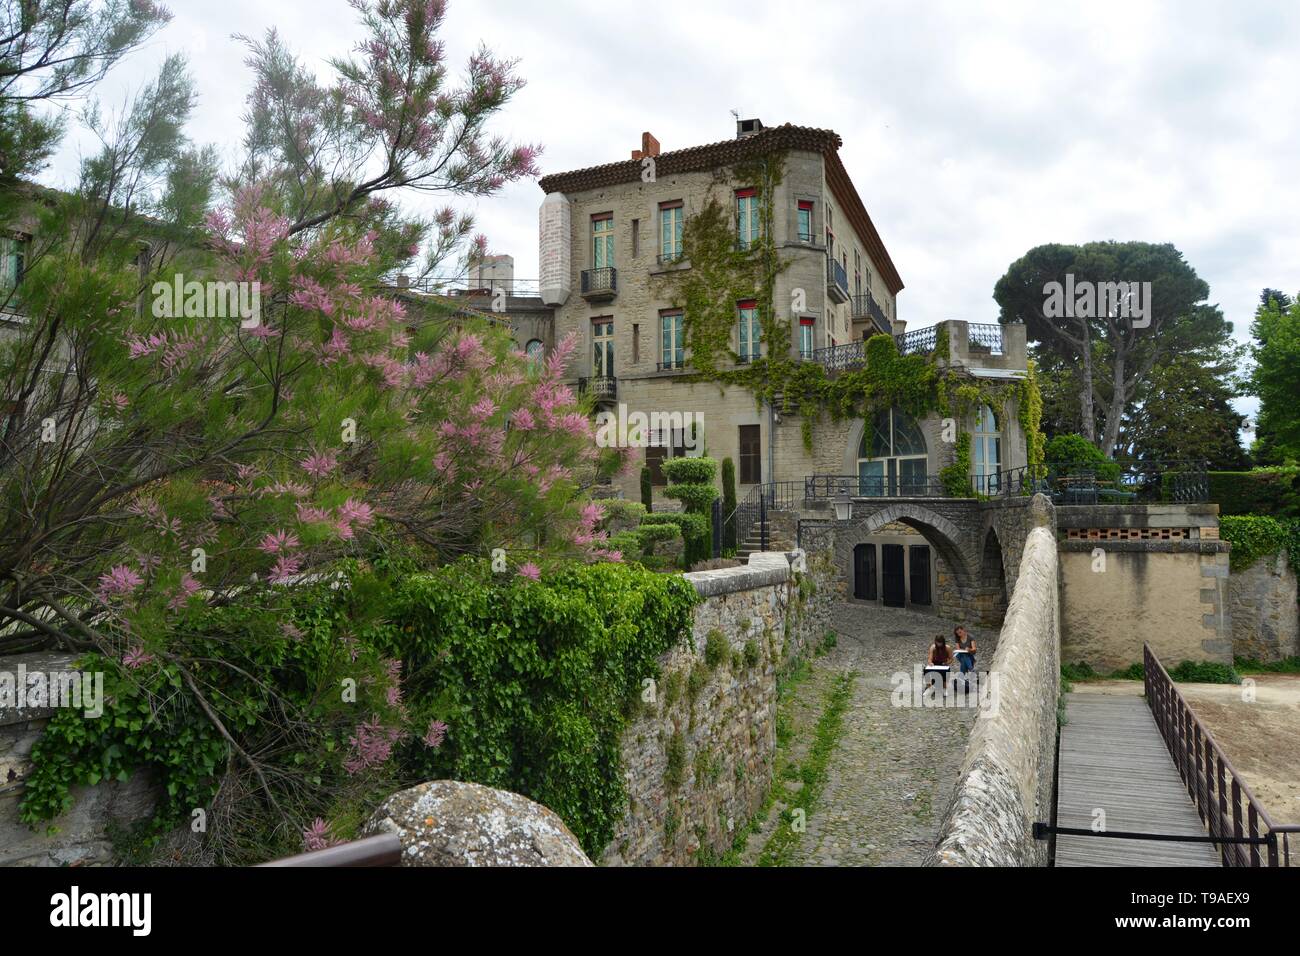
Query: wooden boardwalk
(1113, 758)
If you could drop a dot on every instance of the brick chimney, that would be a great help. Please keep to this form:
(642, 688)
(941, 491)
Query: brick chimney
(649, 147)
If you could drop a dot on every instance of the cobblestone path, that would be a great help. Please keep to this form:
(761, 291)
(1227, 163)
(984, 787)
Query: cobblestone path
(891, 775)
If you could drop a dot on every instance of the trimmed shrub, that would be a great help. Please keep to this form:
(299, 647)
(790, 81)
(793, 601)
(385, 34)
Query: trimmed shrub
(1070, 451)
(1268, 491)
(690, 470)
(728, 505)
(647, 493)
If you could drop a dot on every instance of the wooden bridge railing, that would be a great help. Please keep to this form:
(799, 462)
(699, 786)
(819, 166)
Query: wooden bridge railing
(1223, 799)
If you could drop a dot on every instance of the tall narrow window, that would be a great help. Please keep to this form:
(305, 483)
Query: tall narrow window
(986, 451)
(602, 240)
(602, 337)
(748, 227)
(806, 338)
(670, 231)
(636, 238)
(13, 254)
(672, 342)
(805, 221)
(751, 455)
(750, 338)
(857, 272)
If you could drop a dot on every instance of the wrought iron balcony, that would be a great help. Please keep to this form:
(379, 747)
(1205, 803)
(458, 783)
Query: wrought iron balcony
(865, 307)
(837, 281)
(985, 337)
(837, 357)
(920, 340)
(599, 284)
(873, 486)
(603, 388)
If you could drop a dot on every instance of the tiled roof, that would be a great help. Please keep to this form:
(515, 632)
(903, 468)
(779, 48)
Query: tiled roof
(732, 151)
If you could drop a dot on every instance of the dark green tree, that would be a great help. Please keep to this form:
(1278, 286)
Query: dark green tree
(1113, 354)
(729, 503)
(1276, 379)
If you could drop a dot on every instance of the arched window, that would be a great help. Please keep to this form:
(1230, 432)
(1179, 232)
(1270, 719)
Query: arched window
(892, 458)
(534, 350)
(986, 452)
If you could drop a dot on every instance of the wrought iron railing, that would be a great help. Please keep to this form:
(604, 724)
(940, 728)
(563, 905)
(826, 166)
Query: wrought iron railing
(600, 281)
(919, 340)
(599, 386)
(1108, 482)
(668, 258)
(836, 277)
(836, 357)
(751, 515)
(985, 336)
(1225, 802)
(866, 307)
(874, 486)
(673, 365)
(467, 285)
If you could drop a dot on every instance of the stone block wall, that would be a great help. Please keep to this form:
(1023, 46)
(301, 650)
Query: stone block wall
(698, 760)
(83, 833)
(1005, 783)
(1262, 603)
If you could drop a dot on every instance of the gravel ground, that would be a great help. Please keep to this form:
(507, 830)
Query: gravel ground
(892, 774)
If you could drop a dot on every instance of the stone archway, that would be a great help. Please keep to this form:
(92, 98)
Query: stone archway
(943, 536)
(990, 593)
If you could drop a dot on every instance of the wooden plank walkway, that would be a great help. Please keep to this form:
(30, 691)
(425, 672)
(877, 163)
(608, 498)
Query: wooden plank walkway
(1112, 757)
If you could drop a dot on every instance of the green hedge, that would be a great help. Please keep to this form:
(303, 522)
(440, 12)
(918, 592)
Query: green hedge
(1268, 491)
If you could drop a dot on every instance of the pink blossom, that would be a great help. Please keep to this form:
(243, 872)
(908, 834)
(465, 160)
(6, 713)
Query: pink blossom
(317, 836)
(319, 465)
(284, 569)
(530, 571)
(357, 512)
(135, 657)
(120, 579)
(434, 736)
(189, 587)
(372, 745)
(278, 542)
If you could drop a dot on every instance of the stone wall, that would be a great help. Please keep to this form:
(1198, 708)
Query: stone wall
(1262, 603)
(698, 760)
(83, 834)
(1005, 783)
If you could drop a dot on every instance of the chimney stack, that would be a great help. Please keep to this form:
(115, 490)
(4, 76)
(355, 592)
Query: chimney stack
(649, 147)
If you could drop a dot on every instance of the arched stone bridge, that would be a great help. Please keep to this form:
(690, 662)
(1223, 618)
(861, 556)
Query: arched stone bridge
(978, 543)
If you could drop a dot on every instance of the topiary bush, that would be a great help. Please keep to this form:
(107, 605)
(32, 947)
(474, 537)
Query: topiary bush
(690, 481)
(728, 505)
(647, 491)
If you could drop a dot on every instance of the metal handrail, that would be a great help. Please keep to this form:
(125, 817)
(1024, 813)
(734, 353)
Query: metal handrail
(1184, 481)
(1206, 770)
(762, 498)
(604, 279)
(918, 340)
(818, 487)
(383, 849)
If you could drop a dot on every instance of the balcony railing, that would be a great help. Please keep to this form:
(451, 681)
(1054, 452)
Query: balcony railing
(599, 387)
(865, 307)
(1108, 482)
(837, 357)
(874, 486)
(600, 283)
(985, 336)
(920, 340)
(837, 280)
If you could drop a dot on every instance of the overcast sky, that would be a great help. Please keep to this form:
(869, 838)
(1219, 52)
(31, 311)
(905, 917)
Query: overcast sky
(973, 131)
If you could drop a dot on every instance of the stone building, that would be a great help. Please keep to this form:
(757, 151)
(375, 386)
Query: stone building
(610, 241)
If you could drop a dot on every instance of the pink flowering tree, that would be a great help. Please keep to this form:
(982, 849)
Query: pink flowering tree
(161, 463)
